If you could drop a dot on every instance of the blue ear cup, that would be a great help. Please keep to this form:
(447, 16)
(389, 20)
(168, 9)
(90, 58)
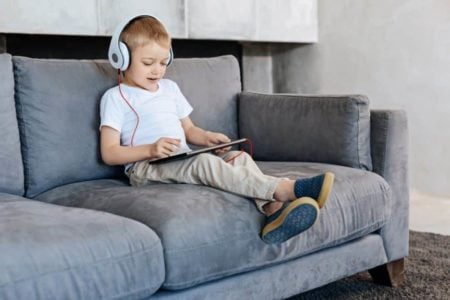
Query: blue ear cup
(118, 53)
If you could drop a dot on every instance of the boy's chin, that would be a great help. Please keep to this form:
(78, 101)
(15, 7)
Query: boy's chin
(150, 86)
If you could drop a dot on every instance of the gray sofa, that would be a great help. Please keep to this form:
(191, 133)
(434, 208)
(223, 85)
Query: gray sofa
(72, 227)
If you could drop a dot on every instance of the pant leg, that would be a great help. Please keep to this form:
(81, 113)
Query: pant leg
(211, 170)
(238, 158)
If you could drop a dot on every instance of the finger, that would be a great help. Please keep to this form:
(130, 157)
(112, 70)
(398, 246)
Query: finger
(175, 142)
(223, 150)
(167, 148)
(166, 153)
(225, 139)
(162, 152)
(171, 148)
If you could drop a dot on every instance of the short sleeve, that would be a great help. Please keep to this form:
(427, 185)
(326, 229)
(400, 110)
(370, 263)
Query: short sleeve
(111, 111)
(184, 109)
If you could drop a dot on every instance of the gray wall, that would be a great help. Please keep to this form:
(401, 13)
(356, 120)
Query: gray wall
(397, 53)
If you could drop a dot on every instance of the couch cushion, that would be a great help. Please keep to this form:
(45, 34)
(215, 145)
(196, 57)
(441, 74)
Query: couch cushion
(57, 106)
(11, 167)
(11, 198)
(326, 129)
(208, 234)
(53, 252)
(211, 86)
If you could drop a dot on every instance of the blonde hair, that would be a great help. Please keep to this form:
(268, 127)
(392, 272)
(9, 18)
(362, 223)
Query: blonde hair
(143, 30)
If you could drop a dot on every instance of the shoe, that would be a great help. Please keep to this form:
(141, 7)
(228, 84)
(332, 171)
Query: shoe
(293, 218)
(317, 187)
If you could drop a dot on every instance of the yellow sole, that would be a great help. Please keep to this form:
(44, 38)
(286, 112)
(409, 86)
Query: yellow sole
(326, 189)
(294, 204)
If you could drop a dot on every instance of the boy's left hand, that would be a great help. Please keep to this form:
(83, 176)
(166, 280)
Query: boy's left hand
(215, 138)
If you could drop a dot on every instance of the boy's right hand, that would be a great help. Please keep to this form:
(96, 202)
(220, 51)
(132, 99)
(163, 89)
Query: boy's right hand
(164, 147)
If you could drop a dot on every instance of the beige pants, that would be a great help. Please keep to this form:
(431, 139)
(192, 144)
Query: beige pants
(240, 176)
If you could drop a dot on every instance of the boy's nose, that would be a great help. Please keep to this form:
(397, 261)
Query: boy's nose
(157, 69)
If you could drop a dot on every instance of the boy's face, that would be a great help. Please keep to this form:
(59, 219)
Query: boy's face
(148, 65)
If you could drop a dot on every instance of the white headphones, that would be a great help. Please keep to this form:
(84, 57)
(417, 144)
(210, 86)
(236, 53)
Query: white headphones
(118, 53)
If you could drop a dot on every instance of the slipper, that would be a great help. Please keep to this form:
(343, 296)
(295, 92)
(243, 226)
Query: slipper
(317, 187)
(293, 218)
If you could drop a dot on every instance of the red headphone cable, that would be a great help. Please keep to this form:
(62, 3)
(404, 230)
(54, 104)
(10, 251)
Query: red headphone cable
(131, 107)
(250, 146)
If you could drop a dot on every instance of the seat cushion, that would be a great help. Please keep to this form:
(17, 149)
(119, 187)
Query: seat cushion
(11, 167)
(54, 252)
(11, 198)
(208, 234)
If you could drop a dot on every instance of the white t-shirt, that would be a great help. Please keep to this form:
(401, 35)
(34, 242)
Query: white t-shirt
(159, 113)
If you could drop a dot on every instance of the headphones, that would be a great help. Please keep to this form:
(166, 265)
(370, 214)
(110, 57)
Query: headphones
(118, 53)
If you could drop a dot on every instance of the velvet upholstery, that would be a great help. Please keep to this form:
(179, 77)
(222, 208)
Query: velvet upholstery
(193, 242)
(327, 129)
(11, 167)
(198, 224)
(390, 160)
(60, 145)
(211, 86)
(4, 197)
(288, 279)
(54, 252)
(58, 113)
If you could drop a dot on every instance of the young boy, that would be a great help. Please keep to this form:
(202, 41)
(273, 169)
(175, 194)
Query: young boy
(147, 117)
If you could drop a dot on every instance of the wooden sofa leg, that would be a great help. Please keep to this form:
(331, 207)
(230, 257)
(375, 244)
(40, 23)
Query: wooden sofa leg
(391, 274)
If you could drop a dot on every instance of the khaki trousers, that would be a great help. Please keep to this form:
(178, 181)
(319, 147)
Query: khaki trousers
(240, 176)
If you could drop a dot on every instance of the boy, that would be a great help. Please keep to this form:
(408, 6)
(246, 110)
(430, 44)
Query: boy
(147, 117)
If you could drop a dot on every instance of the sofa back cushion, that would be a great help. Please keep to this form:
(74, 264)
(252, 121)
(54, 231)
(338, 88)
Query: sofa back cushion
(58, 112)
(57, 105)
(11, 167)
(212, 86)
(326, 129)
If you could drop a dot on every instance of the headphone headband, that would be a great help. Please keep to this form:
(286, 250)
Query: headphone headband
(118, 53)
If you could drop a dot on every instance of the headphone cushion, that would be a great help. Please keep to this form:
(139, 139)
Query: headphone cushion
(125, 55)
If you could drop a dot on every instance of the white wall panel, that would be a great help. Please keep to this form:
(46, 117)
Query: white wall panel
(241, 20)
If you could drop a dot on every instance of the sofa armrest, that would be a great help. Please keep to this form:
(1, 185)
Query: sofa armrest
(326, 129)
(389, 146)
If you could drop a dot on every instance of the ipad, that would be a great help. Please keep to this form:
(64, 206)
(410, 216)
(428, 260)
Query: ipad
(195, 152)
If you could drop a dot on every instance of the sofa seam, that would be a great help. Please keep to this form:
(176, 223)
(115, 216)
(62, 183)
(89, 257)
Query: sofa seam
(294, 95)
(387, 136)
(133, 293)
(23, 135)
(359, 136)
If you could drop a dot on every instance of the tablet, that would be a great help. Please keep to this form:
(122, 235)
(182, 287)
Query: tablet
(195, 152)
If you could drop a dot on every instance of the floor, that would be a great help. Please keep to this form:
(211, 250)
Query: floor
(429, 213)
